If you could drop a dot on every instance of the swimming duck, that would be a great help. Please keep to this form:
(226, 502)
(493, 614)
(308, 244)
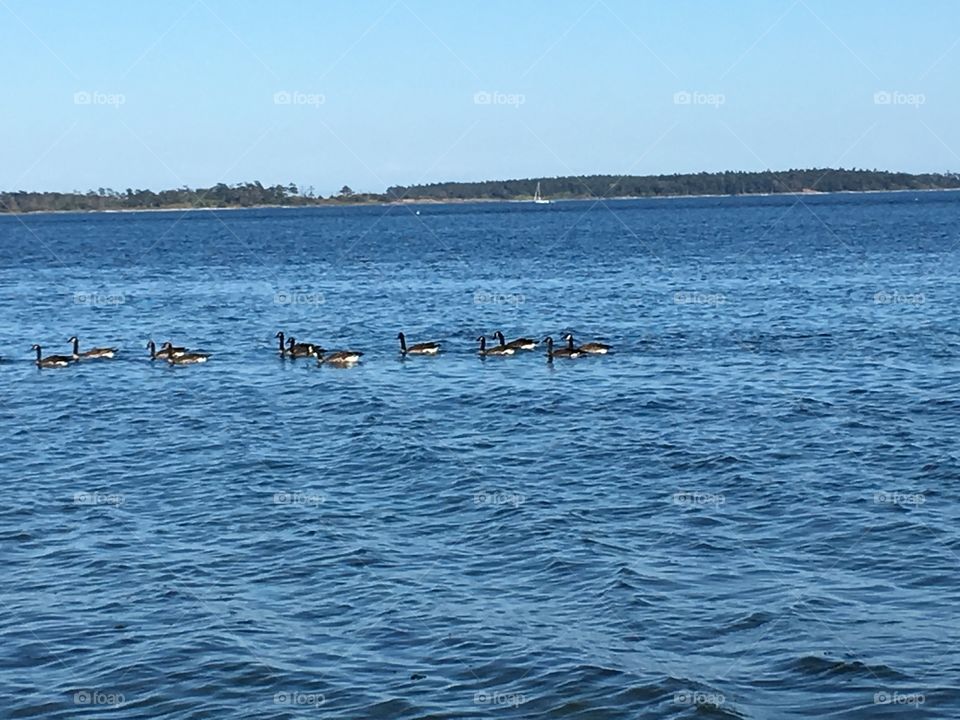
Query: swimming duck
(496, 350)
(92, 353)
(51, 360)
(518, 344)
(424, 348)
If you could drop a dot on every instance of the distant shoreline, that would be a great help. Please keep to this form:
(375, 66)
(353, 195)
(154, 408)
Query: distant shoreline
(461, 201)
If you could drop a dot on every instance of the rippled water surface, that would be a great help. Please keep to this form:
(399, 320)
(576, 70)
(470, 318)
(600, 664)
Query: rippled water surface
(748, 510)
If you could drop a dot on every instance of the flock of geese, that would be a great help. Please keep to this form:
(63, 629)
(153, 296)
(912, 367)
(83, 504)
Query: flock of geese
(290, 348)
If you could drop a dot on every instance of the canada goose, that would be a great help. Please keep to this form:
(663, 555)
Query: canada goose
(51, 360)
(295, 349)
(591, 348)
(92, 353)
(171, 349)
(338, 357)
(424, 348)
(188, 358)
(562, 352)
(496, 350)
(284, 342)
(164, 352)
(518, 344)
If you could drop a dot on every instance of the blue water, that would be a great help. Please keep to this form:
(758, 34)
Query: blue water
(749, 510)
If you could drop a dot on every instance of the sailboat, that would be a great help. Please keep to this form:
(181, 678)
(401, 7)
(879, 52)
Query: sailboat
(538, 198)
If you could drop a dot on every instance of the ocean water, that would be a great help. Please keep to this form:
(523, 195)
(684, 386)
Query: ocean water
(749, 509)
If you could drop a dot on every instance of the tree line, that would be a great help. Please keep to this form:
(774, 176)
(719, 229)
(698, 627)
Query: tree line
(587, 186)
(219, 196)
(703, 183)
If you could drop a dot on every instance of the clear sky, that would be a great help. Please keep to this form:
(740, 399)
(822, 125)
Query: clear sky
(381, 92)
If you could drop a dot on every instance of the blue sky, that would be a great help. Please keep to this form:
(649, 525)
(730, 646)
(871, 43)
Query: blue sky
(372, 94)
